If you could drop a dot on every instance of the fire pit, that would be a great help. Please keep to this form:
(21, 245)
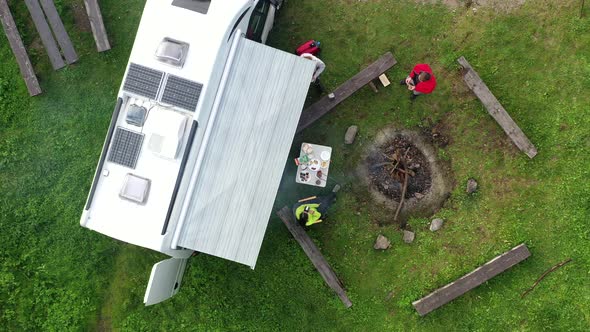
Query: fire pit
(402, 166)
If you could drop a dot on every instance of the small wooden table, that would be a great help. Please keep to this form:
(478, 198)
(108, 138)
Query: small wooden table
(315, 171)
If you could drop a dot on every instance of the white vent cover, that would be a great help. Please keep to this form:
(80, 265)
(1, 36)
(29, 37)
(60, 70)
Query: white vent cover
(172, 52)
(135, 188)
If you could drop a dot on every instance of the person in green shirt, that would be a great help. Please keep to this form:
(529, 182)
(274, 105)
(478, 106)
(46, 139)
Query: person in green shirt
(308, 214)
(314, 211)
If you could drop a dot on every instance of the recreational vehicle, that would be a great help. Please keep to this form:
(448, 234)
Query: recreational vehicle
(199, 137)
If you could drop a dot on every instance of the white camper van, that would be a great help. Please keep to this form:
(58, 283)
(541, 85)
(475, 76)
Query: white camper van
(199, 137)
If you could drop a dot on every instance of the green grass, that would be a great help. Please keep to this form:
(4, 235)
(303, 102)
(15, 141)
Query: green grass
(54, 275)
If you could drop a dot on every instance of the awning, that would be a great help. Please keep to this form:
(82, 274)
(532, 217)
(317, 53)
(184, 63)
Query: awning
(244, 160)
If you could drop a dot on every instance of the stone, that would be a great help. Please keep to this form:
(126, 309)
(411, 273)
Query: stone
(409, 236)
(471, 186)
(389, 296)
(419, 195)
(351, 134)
(436, 224)
(382, 243)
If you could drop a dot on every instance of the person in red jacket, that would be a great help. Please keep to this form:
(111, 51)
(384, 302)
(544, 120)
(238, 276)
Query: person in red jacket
(420, 81)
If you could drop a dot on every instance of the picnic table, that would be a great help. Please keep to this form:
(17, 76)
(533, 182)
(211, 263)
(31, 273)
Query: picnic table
(313, 164)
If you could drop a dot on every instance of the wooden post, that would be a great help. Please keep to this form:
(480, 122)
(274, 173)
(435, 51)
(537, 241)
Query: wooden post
(373, 87)
(495, 109)
(364, 77)
(16, 43)
(45, 33)
(59, 31)
(471, 280)
(314, 255)
(97, 25)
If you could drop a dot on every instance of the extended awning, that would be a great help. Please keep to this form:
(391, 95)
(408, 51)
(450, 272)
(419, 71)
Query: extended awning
(241, 170)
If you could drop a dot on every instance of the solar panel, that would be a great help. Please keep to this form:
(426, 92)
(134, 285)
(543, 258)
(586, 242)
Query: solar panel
(143, 81)
(125, 147)
(182, 93)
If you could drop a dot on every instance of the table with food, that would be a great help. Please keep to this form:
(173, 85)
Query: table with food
(313, 164)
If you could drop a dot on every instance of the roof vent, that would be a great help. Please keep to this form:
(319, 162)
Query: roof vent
(172, 52)
(199, 6)
(135, 188)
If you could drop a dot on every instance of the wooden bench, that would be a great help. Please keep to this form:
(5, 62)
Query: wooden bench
(45, 33)
(96, 23)
(476, 84)
(471, 280)
(326, 104)
(314, 254)
(59, 31)
(16, 43)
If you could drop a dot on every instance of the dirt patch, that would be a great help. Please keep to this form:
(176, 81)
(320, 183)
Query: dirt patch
(437, 133)
(81, 17)
(496, 5)
(427, 190)
(36, 46)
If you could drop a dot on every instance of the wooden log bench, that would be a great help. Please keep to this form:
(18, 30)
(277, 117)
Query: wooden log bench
(364, 77)
(59, 31)
(471, 280)
(96, 23)
(45, 33)
(495, 109)
(314, 254)
(16, 43)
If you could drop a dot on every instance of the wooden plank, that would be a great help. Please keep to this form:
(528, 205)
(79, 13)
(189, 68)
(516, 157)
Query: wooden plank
(59, 31)
(324, 105)
(314, 254)
(97, 25)
(16, 43)
(471, 280)
(495, 109)
(45, 33)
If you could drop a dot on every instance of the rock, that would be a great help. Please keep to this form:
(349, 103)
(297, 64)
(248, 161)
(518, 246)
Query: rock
(389, 296)
(419, 195)
(436, 224)
(382, 243)
(351, 134)
(471, 186)
(409, 236)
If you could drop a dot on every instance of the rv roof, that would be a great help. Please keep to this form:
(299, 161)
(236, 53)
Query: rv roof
(147, 83)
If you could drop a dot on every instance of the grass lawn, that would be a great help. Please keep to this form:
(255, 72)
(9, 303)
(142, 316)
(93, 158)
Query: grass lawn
(54, 275)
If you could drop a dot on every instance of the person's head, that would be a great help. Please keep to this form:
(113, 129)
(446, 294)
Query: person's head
(304, 216)
(424, 76)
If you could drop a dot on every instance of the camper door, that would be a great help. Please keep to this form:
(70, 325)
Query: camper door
(164, 280)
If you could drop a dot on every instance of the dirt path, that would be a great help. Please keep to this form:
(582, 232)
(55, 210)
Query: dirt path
(496, 5)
